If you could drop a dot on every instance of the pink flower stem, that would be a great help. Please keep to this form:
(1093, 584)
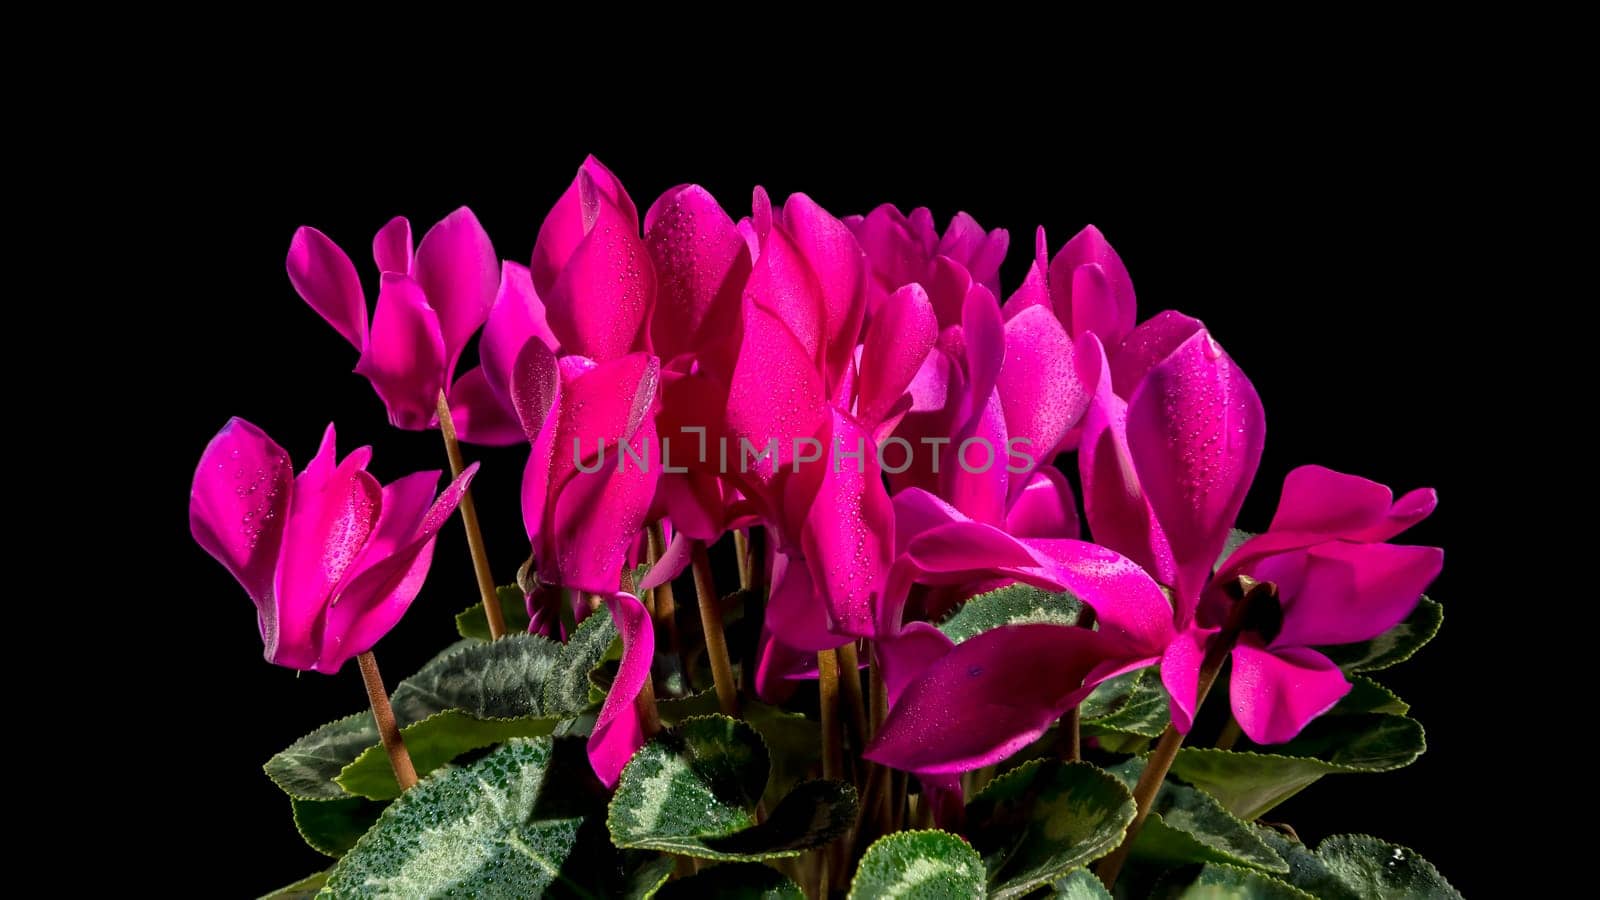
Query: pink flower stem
(741, 554)
(716, 639)
(469, 518)
(1247, 592)
(404, 773)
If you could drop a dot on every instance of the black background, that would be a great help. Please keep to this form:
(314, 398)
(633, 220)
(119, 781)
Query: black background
(1327, 253)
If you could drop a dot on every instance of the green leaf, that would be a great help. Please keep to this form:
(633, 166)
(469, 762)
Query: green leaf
(1236, 539)
(1131, 703)
(566, 689)
(472, 623)
(643, 882)
(304, 889)
(433, 742)
(1393, 646)
(1249, 783)
(1039, 822)
(693, 790)
(794, 741)
(1357, 866)
(1219, 881)
(1368, 696)
(1079, 885)
(1016, 604)
(504, 679)
(734, 881)
(333, 826)
(477, 830)
(307, 768)
(676, 710)
(1188, 826)
(919, 865)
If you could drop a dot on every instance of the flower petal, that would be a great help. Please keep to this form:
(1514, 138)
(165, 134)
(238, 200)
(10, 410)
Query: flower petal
(1044, 508)
(518, 315)
(1318, 500)
(325, 278)
(797, 614)
(1091, 290)
(391, 247)
(458, 272)
(1276, 692)
(595, 517)
(836, 260)
(701, 266)
(1148, 344)
(482, 416)
(1180, 673)
(1040, 389)
(1195, 431)
(572, 218)
(848, 537)
(617, 734)
(239, 502)
(898, 341)
(1348, 592)
(600, 304)
(405, 355)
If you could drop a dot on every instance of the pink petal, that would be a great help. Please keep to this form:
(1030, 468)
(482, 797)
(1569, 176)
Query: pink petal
(608, 403)
(1180, 673)
(1276, 692)
(1128, 603)
(595, 517)
(777, 393)
(848, 538)
(1337, 593)
(1035, 287)
(1195, 431)
(797, 613)
(600, 304)
(984, 333)
(573, 216)
(405, 356)
(988, 698)
(1113, 500)
(391, 247)
(981, 252)
(701, 266)
(481, 415)
(907, 656)
(238, 505)
(325, 278)
(1040, 389)
(1091, 290)
(836, 260)
(897, 344)
(1148, 344)
(536, 395)
(1318, 500)
(617, 734)
(973, 472)
(335, 507)
(674, 559)
(458, 272)
(518, 315)
(1044, 508)
(898, 255)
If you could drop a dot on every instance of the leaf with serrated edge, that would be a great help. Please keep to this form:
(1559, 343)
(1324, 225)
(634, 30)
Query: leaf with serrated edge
(433, 742)
(1220, 881)
(1393, 646)
(734, 881)
(1249, 783)
(1040, 821)
(1187, 826)
(919, 865)
(1357, 866)
(645, 881)
(1368, 696)
(1131, 703)
(500, 680)
(1079, 885)
(1016, 604)
(566, 690)
(304, 889)
(693, 790)
(474, 830)
(472, 623)
(332, 827)
(306, 769)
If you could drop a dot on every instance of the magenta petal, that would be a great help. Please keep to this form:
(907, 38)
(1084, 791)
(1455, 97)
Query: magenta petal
(1148, 344)
(988, 698)
(1040, 389)
(481, 415)
(596, 516)
(238, 505)
(1128, 603)
(601, 408)
(573, 216)
(1353, 592)
(674, 559)
(391, 247)
(536, 395)
(1035, 287)
(777, 394)
(601, 302)
(834, 257)
(908, 655)
(1318, 500)
(974, 472)
(984, 334)
(405, 357)
(518, 315)
(1195, 431)
(848, 537)
(617, 734)
(701, 265)
(797, 614)
(1099, 300)
(1045, 508)
(458, 272)
(897, 344)
(325, 278)
(1180, 673)
(1276, 692)
(980, 252)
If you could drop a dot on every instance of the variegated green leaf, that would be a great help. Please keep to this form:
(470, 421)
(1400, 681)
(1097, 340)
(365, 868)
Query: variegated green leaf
(333, 826)
(1219, 881)
(1358, 866)
(1079, 885)
(307, 768)
(566, 689)
(304, 889)
(478, 830)
(919, 865)
(734, 881)
(1131, 703)
(472, 623)
(433, 742)
(1188, 826)
(1016, 604)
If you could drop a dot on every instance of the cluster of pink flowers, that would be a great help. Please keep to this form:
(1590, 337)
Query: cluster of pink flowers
(791, 327)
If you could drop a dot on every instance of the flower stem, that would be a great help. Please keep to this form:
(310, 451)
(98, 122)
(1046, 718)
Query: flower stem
(1071, 737)
(1230, 735)
(850, 681)
(741, 555)
(716, 639)
(469, 518)
(832, 737)
(404, 773)
(1160, 760)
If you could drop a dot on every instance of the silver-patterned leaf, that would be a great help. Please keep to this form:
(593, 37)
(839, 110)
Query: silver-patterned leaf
(919, 865)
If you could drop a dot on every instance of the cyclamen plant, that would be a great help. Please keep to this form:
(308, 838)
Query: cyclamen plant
(927, 683)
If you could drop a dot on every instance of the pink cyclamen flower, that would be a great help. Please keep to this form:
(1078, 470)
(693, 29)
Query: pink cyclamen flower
(331, 558)
(1337, 582)
(901, 249)
(429, 305)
